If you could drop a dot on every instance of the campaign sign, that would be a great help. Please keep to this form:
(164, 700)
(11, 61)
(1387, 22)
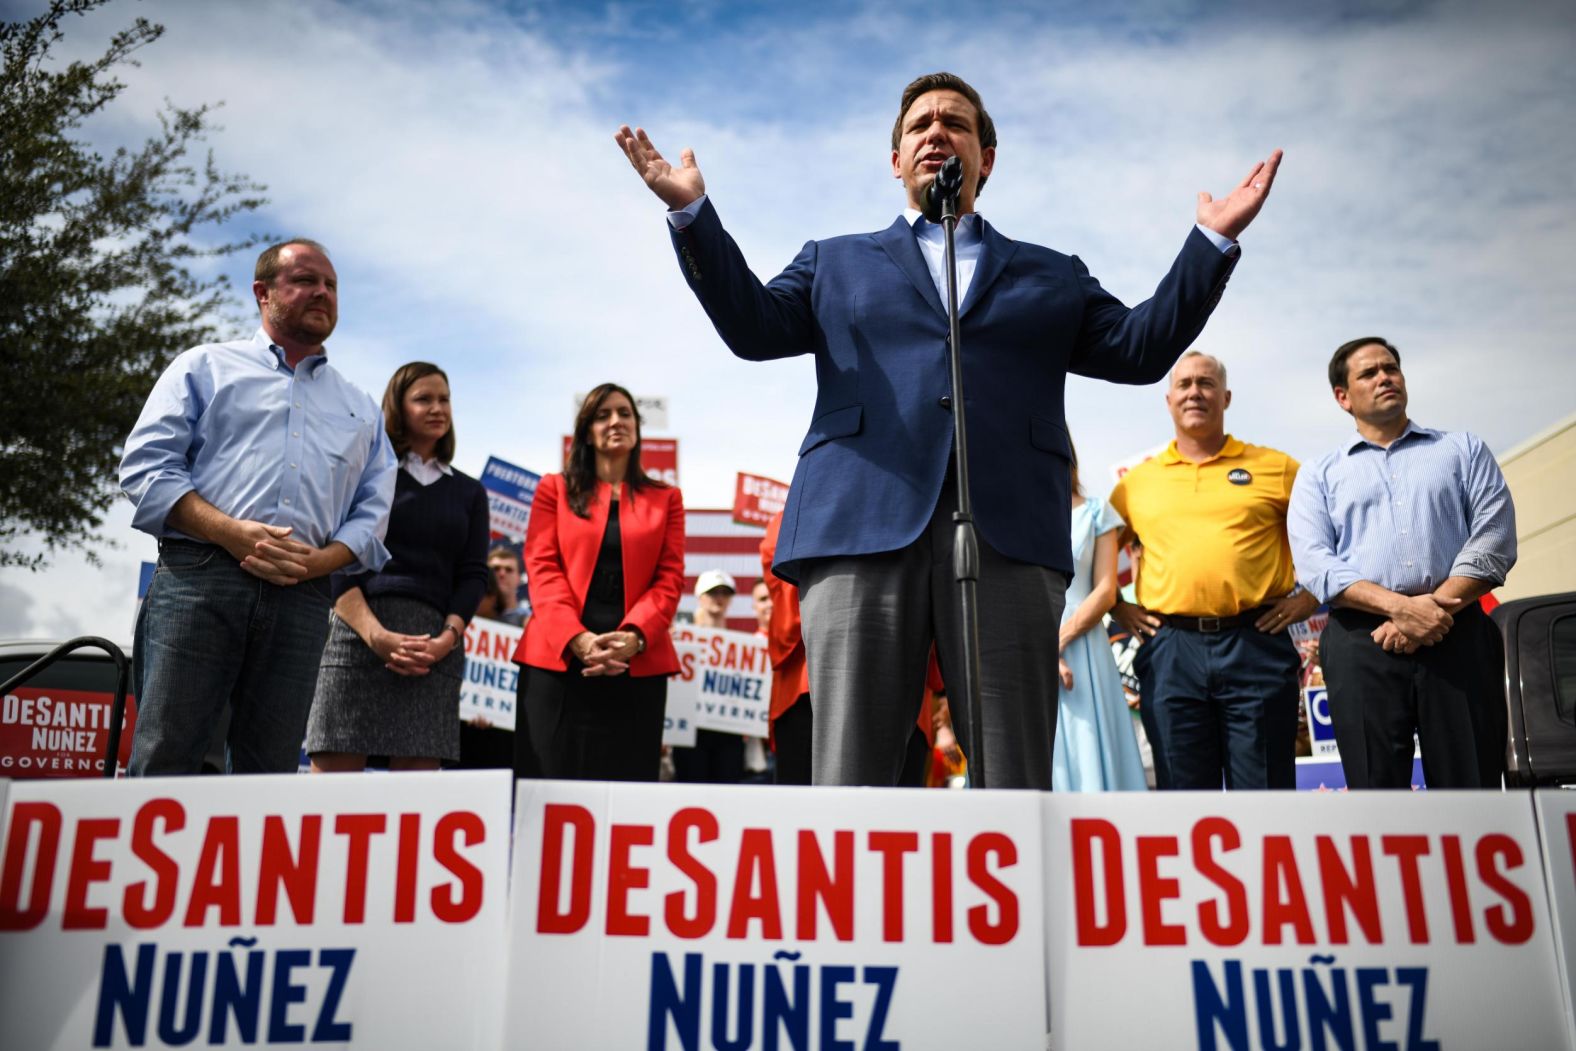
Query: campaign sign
(757, 499)
(246, 911)
(1293, 920)
(1557, 826)
(510, 492)
(1321, 728)
(726, 917)
(678, 719)
(49, 732)
(730, 679)
(491, 676)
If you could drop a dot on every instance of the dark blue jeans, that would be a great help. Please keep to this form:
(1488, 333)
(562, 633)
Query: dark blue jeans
(1223, 705)
(211, 634)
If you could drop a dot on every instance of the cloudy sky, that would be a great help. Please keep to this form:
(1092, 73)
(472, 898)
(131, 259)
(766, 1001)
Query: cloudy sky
(457, 158)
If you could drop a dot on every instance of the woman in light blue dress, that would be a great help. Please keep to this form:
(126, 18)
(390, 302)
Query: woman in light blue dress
(1096, 750)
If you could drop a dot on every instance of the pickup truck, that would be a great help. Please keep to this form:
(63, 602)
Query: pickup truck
(1540, 689)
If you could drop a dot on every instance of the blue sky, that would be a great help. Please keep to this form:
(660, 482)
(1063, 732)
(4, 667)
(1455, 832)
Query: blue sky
(457, 158)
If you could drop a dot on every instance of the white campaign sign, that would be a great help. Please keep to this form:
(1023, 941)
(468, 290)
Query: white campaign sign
(730, 679)
(362, 911)
(1557, 827)
(1276, 920)
(647, 917)
(491, 676)
(678, 720)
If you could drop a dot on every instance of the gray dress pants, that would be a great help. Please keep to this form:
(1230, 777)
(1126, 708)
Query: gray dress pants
(868, 625)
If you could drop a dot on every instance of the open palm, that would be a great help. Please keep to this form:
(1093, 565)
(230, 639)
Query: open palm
(676, 186)
(1231, 214)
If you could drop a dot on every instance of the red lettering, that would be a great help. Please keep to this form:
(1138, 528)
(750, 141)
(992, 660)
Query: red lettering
(1221, 923)
(1511, 922)
(358, 830)
(1154, 889)
(218, 881)
(941, 886)
(716, 651)
(406, 867)
(815, 884)
(86, 870)
(624, 876)
(1006, 926)
(892, 846)
(461, 899)
(1284, 900)
(295, 873)
(501, 649)
(756, 865)
(1349, 890)
(140, 912)
(1086, 833)
(698, 925)
(550, 919)
(24, 818)
(1406, 850)
(1456, 881)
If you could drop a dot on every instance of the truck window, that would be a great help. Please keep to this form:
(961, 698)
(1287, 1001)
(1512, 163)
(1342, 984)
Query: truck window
(1562, 641)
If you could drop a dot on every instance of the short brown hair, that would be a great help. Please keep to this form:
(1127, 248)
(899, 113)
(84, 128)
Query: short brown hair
(947, 82)
(403, 379)
(268, 265)
(505, 551)
(1338, 367)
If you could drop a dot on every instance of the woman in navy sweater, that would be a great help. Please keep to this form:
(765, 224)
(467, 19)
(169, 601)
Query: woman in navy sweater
(389, 682)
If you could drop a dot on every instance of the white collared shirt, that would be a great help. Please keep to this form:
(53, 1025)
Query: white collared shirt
(424, 471)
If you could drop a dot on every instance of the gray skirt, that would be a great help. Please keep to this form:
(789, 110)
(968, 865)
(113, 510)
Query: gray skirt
(363, 708)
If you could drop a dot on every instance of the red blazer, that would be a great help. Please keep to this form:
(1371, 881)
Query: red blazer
(560, 553)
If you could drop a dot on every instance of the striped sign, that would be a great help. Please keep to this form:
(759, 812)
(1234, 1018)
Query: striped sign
(713, 540)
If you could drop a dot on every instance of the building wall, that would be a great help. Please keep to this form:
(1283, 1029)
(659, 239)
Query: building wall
(1541, 472)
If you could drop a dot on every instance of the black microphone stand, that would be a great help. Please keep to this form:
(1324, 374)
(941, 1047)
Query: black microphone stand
(941, 196)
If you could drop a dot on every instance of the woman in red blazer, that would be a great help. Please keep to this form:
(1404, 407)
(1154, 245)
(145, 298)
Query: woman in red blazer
(604, 559)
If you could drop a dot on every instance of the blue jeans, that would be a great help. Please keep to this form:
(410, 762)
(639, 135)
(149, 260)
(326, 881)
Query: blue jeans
(211, 634)
(1223, 705)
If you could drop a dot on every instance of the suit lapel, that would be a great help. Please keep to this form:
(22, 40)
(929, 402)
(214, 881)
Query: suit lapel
(995, 251)
(898, 241)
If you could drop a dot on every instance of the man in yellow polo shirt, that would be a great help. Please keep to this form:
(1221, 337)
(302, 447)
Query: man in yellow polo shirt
(1217, 670)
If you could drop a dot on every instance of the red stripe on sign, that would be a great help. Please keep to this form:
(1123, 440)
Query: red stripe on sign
(722, 545)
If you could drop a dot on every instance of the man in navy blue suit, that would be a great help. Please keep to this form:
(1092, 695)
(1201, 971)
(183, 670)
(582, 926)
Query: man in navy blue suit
(867, 531)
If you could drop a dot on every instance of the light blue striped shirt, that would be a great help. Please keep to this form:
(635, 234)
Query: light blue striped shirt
(300, 447)
(1431, 506)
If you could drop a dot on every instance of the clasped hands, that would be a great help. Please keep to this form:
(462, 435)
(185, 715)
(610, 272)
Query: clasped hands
(606, 654)
(268, 553)
(1416, 621)
(411, 655)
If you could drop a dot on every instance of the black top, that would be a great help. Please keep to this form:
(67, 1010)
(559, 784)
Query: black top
(605, 597)
(437, 543)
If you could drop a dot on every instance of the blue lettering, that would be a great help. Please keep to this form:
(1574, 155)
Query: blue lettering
(1325, 1015)
(1287, 980)
(885, 980)
(1416, 978)
(745, 1036)
(285, 993)
(1374, 1011)
(327, 1030)
(230, 996)
(667, 1002)
(794, 1016)
(186, 1032)
(1210, 1009)
(117, 990)
(833, 1009)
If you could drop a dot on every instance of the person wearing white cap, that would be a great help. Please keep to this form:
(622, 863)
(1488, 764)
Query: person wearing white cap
(717, 758)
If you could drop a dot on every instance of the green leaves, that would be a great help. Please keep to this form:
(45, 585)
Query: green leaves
(97, 292)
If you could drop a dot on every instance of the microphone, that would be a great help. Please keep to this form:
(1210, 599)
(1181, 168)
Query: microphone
(946, 186)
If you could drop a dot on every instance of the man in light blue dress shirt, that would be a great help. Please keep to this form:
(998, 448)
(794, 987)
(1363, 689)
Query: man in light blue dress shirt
(261, 470)
(1402, 529)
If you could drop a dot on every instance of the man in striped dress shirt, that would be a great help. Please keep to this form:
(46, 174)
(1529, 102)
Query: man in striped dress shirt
(1402, 529)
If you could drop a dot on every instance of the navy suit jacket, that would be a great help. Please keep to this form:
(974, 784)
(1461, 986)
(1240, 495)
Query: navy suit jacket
(874, 461)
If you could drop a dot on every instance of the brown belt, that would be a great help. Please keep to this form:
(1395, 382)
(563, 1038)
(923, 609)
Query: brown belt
(1210, 625)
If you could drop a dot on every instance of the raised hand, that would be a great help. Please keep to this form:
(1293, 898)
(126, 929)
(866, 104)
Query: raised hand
(676, 186)
(1231, 215)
